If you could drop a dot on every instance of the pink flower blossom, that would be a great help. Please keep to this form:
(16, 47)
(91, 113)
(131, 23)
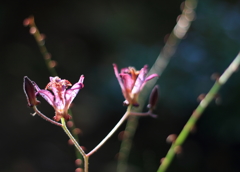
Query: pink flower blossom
(131, 82)
(58, 96)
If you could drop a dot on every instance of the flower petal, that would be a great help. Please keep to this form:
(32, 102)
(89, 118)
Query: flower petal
(59, 103)
(51, 78)
(72, 92)
(115, 68)
(124, 91)
(151, 77)
(125, 70)
(147, 79)
(36, 86)
(140, 80)
(47, 95)
(128, 82)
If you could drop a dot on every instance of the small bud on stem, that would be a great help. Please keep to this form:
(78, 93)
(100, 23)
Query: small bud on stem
(29, 91)
(153, 98)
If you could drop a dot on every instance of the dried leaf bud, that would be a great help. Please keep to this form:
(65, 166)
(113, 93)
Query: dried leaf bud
(171, 138)
(28, 21)
(70, 142)
(30, 92)
(78, 162)
(161, 160)
(70, 124)
(153, 98)
(42, 37)
(52, 64)
(201, 97)
(120, 155)
(48, 56)
(33, 30)
(84, 148)
(178, 149)
(79, 170)
(215, 76)
(116, 156)
(193, 129)
(121, 135)
(178, 17)
(166, 38)
(182, 6)
(218, 100)
(77, 131)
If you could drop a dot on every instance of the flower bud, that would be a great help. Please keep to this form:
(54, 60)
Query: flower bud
(30, 92)
(153, 98)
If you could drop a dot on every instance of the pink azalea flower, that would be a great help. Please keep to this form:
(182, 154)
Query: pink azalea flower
(59, 97)
(131, 82)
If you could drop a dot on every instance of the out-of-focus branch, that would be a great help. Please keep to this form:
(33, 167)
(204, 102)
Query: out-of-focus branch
(40, 39)
(178, 33)
(176, 145)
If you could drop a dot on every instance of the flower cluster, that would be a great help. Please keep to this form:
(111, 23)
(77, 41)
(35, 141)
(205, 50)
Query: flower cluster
(59, 93)
(60, 97)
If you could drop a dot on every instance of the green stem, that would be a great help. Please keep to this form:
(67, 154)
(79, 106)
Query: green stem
(75, 135)
(76, 144)
(47, 57)
(177, 34)
(41, 44)
(197, 113)
(120, 122)
(45, 117)
(126, 143)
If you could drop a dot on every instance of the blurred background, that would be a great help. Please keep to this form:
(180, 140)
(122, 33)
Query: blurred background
(86, 37)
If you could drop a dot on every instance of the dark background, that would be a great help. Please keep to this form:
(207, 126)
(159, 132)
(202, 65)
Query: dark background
(86, 37)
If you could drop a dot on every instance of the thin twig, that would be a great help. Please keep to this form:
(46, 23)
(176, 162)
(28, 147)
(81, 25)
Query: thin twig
(149, 113)
(45, 117)
(75, 144)
(126, 143)
(197, 113)
(160, 64)
(40, 39)
(120, 122)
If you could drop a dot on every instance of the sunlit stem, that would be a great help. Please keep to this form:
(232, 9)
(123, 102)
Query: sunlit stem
(125, 116)
(45, 117)
(33, 114)
(149, 113)
(75, 144)
(172, 42)
(126, 143)
(197, 113)
(41, 43)
(75, 135)
(49, 63)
